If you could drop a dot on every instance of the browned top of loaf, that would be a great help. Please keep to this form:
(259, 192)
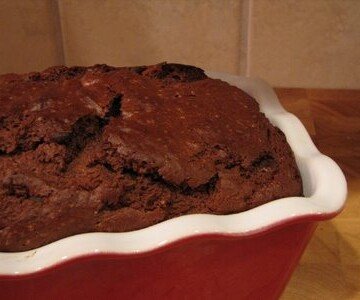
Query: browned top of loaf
(118, 149)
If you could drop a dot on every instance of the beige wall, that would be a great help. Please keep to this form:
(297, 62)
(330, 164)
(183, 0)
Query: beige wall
(287, 42)
(29, 35)
(311, 43)
(206, 33)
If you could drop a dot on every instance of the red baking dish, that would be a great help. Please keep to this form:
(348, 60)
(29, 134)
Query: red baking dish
(249, 255)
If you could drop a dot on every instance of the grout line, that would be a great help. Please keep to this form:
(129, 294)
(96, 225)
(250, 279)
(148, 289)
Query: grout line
(245, 37)
(248, 37)
(60, 32)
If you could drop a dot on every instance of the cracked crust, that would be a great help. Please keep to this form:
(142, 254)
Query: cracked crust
(100, 148)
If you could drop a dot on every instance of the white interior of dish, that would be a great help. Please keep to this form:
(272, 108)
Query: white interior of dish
(324, 188)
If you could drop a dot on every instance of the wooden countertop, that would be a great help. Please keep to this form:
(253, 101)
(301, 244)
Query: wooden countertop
(330, 266)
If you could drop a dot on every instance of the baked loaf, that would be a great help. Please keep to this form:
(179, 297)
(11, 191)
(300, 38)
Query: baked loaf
(100, 148)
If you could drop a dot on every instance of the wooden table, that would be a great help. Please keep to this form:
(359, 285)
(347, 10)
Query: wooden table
(330, 267)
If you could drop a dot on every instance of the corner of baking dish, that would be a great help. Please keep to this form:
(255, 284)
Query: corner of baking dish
(324, 189)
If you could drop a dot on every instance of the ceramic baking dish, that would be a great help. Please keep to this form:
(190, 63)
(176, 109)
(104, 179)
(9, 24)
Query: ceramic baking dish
(245, 255)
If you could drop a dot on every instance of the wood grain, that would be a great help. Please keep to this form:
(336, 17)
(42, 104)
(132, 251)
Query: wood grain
(330, 267)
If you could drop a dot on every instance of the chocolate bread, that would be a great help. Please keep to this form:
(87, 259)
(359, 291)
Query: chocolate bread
(105, 149)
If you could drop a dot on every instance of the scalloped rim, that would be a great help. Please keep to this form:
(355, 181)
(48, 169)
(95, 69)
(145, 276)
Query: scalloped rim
(325, 192)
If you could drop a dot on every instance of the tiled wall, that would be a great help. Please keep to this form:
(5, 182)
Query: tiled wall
(29, 35)
(206, 33)
(311, 43)
(307, 43)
